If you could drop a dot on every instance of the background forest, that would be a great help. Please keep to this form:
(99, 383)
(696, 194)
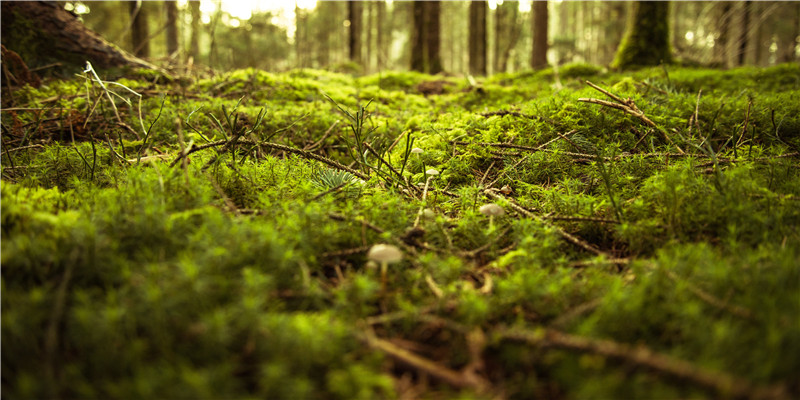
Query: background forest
(369, 36)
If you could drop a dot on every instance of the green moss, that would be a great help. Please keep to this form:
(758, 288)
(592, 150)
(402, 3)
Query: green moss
(243, 273)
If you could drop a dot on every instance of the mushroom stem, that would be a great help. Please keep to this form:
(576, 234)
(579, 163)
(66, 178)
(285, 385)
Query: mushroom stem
(384, 269)
(424, 196)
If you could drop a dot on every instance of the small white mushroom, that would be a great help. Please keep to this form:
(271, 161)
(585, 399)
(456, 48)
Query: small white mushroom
(432, 172)
(491, 210)
(384, 254)
(417, 150)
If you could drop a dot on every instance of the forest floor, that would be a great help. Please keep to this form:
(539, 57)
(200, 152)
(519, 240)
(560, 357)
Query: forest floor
(209, 238)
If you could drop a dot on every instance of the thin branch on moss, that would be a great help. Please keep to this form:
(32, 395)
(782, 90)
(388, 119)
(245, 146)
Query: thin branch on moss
(627, 106)
(719, 383)
(275, 146)
(567, 236)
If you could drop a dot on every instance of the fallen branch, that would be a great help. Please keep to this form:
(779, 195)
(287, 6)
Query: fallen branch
(720, 383)
(275, 146)
(627, 106)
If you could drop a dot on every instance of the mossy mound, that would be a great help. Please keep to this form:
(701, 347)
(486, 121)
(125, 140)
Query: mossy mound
(217, 247)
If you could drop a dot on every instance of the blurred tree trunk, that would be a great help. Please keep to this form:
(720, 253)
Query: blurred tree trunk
(354, 15)
(382, 47)
(501, 24)
(425, 55)
(140, 31)
(646, 40)
(369, 15)
(172, 27)
(789, 34)
(477, 37)
(723, 34)
(433, 36)
(43, 33)
(743, 38)
(511, 33)
(539, 32)
(194, 39)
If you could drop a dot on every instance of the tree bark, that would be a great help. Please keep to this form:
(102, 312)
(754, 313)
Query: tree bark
(354, 15)
(539, 31)
(418, 38)
(723, 34)
(382, 54)
(140, 31)
(477, 37)
(194, 39)
(432, 38)
(787, 39)
(172, 27)
(743, 38)
(646, 40)
(43, 33)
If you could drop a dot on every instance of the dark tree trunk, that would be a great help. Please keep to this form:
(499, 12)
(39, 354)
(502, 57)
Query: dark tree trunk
(477, 37)
(354, 15)
(381, 35)
(418, 38)
(646, 40)
(433, 37)
(140, 31)
(194, 40)
(43, 33)
(172, 26)
(743, 38)
(425, 55)
(787, 40)
(723, 34)
(539, 31)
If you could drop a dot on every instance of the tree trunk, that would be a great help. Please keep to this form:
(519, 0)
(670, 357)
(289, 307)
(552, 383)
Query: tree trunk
(354, 15)
(43, 33)
(787, 37)
(382, 54)
(646, 40)
(477, 37)
(743, 38)
(432, 37)
(172, 27)
(425, 39)
(140, 31)
(723, 34)
(539, 32)
(501, 25)
(512, 33)
(194, 39)
(418, 38)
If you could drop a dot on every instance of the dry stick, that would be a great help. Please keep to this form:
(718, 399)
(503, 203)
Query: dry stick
(314, 145)
(713, 301)
(375, 153)
(568, 237)
(275, 146)
(457, 379)
(720, 383)
(627, 106)
(746, 121)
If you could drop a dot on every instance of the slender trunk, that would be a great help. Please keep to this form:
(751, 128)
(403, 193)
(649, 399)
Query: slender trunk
(539, 32)
(382, 54)
(418, 37)
(477, 37)
(354, 15)
(433, 37)
(140, 31)
(723, 33)
(743, 39)
(500, 28)
(172, 27)
(194, 47)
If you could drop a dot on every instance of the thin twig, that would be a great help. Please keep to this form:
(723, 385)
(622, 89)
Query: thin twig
(720, 383)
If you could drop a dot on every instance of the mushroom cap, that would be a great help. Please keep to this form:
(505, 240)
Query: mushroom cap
(431, 172)
(417, 150)
(491, 209)
(385, 253)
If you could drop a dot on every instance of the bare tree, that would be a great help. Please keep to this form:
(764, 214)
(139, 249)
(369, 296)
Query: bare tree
(477, 37)
(140, 31)
(172, 26)
(425, 55)
(539, 31)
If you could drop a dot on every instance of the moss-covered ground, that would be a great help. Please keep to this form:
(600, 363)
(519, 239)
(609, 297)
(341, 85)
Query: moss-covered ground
(208, 238)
